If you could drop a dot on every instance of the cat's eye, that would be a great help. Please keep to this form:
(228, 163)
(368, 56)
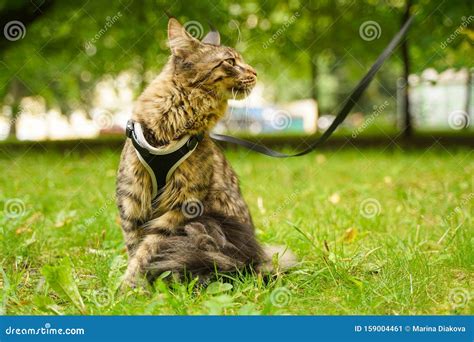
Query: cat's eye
(231, 61)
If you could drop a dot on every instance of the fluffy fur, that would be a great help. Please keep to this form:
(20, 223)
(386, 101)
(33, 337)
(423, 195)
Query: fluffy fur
(188, 97)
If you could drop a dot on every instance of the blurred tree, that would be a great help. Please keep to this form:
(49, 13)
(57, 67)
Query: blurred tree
(407, 128)
(301, 49)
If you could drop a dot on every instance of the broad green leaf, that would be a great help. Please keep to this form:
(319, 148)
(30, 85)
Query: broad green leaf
(47, 304)
(61, 279)
(216, 305)
(164, 274)
(249, 309)
(218, 287)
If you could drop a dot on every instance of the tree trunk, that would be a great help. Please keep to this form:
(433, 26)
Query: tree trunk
(17, 91)
(313, 59)
(314, 79)
(407, 127)
(467, 105)
(15, 107)
(12, 132)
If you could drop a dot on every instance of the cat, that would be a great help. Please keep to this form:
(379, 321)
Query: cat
(188, 97)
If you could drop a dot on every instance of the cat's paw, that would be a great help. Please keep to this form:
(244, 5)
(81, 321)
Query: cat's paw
(131, 278)
(130, 283)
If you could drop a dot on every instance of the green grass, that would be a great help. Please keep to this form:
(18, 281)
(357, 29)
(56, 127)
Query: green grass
(63, 253)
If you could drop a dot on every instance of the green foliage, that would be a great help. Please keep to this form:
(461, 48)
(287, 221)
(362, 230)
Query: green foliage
(72, 46)
(4, 291)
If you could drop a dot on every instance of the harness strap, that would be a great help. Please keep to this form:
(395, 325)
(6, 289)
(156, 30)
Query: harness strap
(348, 105)
(161, 162)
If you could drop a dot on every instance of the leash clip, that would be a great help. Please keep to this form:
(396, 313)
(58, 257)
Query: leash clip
(129, 129)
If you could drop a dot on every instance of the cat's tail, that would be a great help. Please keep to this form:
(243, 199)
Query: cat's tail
(277, 259)
(216, 243)
(207, 244)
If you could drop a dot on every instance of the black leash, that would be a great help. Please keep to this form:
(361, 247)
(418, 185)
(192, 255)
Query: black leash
(349, 104)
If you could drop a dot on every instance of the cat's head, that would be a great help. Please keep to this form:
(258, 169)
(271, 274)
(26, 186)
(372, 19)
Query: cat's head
(208, 65)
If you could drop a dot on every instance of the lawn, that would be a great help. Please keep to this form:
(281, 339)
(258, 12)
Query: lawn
(377, 232)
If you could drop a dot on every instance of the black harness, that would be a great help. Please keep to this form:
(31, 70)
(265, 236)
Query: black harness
(160, 162)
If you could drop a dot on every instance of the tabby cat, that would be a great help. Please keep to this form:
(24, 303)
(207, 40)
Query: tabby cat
(188, 97)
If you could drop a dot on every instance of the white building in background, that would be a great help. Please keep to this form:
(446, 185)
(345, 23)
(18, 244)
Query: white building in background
(255, 115)
(305, 111)
(438, 101)
(114, 104)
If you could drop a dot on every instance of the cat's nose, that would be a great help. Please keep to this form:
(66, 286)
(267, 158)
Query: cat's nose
(249, 69)
(253, 71)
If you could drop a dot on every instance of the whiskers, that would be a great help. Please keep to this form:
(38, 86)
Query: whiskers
(239, 35)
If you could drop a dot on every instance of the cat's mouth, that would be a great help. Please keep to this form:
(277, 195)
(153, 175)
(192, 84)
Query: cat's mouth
(243, 89)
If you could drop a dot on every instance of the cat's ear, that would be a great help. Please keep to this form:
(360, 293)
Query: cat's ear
(181, 42)
(213, 38)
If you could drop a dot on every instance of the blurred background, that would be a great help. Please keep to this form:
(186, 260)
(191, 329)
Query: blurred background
(71, 70)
